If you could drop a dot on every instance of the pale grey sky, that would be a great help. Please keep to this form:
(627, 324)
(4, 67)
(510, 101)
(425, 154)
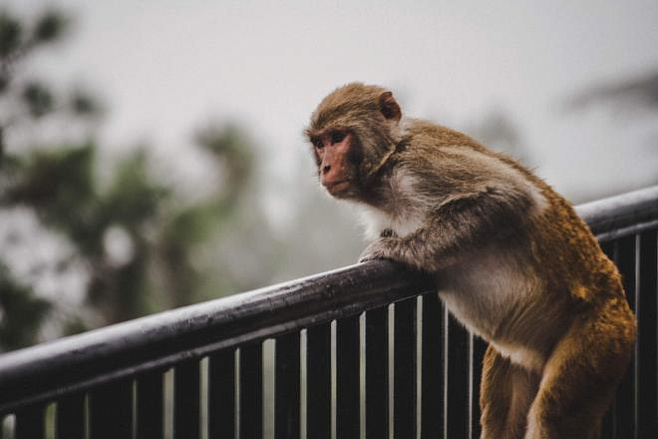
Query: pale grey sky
(165, 67)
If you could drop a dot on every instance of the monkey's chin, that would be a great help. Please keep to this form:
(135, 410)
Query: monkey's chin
(338, 189)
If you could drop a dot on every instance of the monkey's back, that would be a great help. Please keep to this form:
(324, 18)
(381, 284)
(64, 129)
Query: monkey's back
(496, 290)
(555, 225)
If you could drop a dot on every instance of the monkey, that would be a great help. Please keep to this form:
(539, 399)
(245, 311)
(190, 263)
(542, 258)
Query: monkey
(511, 259)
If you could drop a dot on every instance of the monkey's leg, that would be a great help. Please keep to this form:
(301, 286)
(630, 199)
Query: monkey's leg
(582, 373)
(507, 390)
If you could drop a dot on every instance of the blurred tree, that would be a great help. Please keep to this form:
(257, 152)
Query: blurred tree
(22, 101)
(640, 92)
(629, 96)
(16, 302)
(142, 246)
(222, 243)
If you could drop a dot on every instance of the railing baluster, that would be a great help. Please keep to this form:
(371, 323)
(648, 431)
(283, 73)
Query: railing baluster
(647, 343)
(221, 395)
(610, 419)
(110, 414)
(150, 406)
(625, 401)
(456, 379)
(186, 400)
(251, 391)
(318, 382)
(347, 374)
(608, 424)
(30, 423)
(477, 349)
(404, 370)
(287, 396)
(377, 393)
(70, 417)
(432, 369)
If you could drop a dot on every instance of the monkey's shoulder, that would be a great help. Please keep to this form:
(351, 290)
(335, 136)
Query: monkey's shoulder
(434, 173)
(434, 133)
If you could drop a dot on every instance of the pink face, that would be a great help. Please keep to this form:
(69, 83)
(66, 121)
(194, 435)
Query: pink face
(332, 149)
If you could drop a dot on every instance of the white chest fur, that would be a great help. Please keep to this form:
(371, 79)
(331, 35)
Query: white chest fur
(403, 216)
(375, 221)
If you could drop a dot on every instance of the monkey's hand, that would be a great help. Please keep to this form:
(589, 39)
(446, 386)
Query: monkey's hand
(381, 248)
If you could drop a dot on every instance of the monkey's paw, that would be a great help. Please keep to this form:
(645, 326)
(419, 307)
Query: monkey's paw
(381, 248)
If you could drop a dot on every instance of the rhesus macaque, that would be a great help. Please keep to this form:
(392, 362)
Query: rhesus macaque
(512, 260)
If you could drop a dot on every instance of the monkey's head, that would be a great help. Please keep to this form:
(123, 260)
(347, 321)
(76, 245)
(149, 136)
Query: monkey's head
(354, 131)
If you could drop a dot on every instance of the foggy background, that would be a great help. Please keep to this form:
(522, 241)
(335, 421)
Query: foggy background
(152, 151)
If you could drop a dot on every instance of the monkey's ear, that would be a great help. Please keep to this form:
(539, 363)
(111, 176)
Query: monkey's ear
(389, 107)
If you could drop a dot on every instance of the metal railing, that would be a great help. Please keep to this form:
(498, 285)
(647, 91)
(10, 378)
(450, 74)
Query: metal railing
(364, 350)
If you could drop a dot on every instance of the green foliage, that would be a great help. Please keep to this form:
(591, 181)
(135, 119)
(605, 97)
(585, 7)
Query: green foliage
(232, 153)
(49, 27)
(54, 180)
(83, 104)
(38, 99)
(188, 228)
(144, 247)
(21, 313)
(133, 196)
(10, 34)
(31, 99)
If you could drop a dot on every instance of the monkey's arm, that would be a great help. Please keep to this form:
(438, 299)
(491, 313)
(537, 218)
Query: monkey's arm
(460, 223)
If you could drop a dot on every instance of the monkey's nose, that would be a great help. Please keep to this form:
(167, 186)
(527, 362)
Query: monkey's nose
(326, 168)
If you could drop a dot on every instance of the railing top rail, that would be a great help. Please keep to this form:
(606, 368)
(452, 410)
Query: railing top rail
(159, 341)
(623, 214)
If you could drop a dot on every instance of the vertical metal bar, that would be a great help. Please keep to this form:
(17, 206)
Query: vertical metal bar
(70, 417)
(186, 400)
(287, 387)
(404, 370)
(111, 410)
(608, 425)
(377, 373)
(647, 344)
(431, 423)
(221, 395)
(347, 373)
(30, 423)
(477, 348)
(318, 379)
(150, 406)
(625, 400)
(251, 391)
(456, 384)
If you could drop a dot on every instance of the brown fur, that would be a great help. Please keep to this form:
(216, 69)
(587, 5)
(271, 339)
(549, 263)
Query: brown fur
(512, 260)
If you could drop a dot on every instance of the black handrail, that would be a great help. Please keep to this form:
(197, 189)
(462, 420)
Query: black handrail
(622, 215)
(45, 371)
(74, 363)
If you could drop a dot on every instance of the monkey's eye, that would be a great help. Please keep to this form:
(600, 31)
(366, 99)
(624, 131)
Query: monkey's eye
(337, 136)
(317, 143)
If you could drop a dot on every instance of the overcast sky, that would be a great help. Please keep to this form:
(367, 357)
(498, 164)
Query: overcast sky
(164, 67)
